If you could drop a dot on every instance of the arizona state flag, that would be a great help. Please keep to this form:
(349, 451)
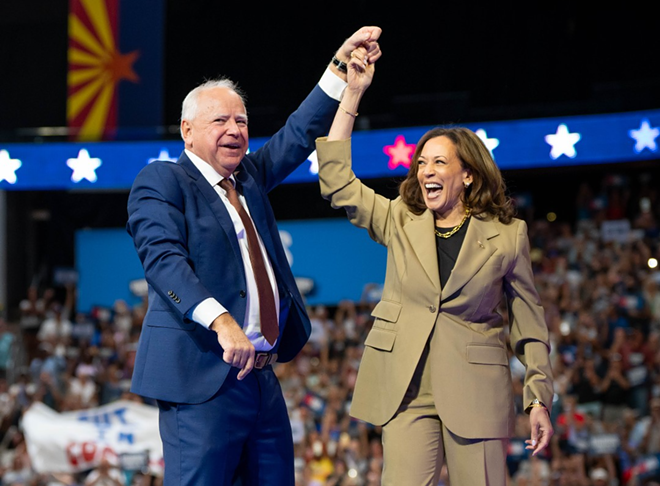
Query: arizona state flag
(115, 68)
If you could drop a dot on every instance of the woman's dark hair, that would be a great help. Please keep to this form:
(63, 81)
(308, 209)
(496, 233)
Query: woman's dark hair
(486, 196)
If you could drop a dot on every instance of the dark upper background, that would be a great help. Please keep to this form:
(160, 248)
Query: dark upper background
(443, 62)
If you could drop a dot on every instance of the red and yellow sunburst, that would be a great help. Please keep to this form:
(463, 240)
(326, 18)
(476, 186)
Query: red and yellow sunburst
(95, 68)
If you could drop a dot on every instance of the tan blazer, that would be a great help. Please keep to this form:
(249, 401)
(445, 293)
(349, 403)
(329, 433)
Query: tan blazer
(468, 339)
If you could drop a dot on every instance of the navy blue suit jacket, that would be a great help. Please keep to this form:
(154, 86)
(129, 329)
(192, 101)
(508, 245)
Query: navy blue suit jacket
(186, 241)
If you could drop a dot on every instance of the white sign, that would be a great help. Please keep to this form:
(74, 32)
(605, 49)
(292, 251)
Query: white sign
(615, 230)
(605, 444)
(77, 441)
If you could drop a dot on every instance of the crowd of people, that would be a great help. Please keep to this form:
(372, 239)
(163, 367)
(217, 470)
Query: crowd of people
(601, 295)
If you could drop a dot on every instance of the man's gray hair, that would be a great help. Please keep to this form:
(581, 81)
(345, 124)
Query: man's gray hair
(189, 106)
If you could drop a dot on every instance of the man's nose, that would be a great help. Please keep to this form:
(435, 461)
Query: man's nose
(232, 127)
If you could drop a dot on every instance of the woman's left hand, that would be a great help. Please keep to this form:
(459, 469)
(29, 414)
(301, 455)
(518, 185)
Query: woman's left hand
(542, 430)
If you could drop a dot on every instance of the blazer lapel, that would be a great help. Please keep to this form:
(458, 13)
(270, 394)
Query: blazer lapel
(477, 248)
(419, 231)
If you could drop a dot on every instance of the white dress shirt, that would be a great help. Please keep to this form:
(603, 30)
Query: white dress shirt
(208, 310)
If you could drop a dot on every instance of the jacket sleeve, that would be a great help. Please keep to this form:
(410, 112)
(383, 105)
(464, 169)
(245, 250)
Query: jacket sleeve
(157, 224)
(340, 186)
(290, 146)
(529, 330)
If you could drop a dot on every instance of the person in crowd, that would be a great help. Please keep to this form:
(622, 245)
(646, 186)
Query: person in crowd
(33, 310)
(435, 372)
(7, 349)
(650, 443)
(82, 390)
(57, 325)
(614, 389)
(223, 303)
(105, 475)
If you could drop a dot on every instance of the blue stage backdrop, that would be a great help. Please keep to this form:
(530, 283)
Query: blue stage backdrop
(332, 256)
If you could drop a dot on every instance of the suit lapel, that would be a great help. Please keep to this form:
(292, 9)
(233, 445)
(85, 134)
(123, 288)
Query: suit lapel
(253, 197)
(477, 248)
(419, 231)
(214, 201)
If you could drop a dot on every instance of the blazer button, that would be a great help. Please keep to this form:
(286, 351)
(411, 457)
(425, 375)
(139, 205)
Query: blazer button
(242, 294)
(432, 309)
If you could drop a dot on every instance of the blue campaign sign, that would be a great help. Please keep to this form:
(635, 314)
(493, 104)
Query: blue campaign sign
(107, 263)
(335, 257)
(517, 144)
(338, 258)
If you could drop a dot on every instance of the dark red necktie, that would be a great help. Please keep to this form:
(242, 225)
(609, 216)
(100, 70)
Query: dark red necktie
(267, 313)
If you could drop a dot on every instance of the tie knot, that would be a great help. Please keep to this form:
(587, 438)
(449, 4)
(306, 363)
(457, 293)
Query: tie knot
(227, 185)
(232, 195)
(230, 190)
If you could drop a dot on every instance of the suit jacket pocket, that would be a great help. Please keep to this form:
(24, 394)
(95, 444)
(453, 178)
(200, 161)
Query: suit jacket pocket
(380, 339)
(387, 310)
(155, 318)
(486, 354)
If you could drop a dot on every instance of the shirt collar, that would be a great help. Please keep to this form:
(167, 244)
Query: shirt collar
(207, 171)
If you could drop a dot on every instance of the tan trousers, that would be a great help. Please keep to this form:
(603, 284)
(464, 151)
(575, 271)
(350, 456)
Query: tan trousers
(416, 444)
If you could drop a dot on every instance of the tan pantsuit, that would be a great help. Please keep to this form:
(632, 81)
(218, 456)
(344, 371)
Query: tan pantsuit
(459, 324)
(416, 443)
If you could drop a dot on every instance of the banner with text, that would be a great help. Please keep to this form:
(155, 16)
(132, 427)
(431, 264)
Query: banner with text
(77, 441)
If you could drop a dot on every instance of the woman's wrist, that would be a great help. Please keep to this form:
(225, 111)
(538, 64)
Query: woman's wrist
(350, 113)
(536, 403)
(351, 98)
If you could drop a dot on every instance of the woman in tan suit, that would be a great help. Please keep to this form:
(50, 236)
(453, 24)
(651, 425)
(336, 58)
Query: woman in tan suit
(435, 372)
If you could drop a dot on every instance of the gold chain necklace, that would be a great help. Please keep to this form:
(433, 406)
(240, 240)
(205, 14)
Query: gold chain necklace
(455, 228)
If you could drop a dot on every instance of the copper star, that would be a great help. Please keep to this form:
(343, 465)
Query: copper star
(120, 66)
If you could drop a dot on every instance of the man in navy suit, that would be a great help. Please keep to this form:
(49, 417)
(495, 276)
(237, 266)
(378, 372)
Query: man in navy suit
(202, 354)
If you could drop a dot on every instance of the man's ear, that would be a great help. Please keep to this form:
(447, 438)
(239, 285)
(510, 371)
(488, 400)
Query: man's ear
(186, 131)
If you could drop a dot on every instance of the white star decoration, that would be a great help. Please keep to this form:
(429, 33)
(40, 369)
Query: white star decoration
(563, 142)
(163, 155)
(645, 137)
(314, 163)
(8, 167)
(84, 167)
(491, 143)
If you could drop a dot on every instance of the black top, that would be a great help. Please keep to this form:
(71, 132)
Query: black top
(448, 249)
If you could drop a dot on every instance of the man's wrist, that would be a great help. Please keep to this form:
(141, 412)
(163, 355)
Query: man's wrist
(340, 65)
(206, 312)
(218, 321)
(342, 56)
(333, 83)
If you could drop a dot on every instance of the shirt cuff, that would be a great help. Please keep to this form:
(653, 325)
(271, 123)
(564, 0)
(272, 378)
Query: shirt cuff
(332, 84)
(206, 312)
